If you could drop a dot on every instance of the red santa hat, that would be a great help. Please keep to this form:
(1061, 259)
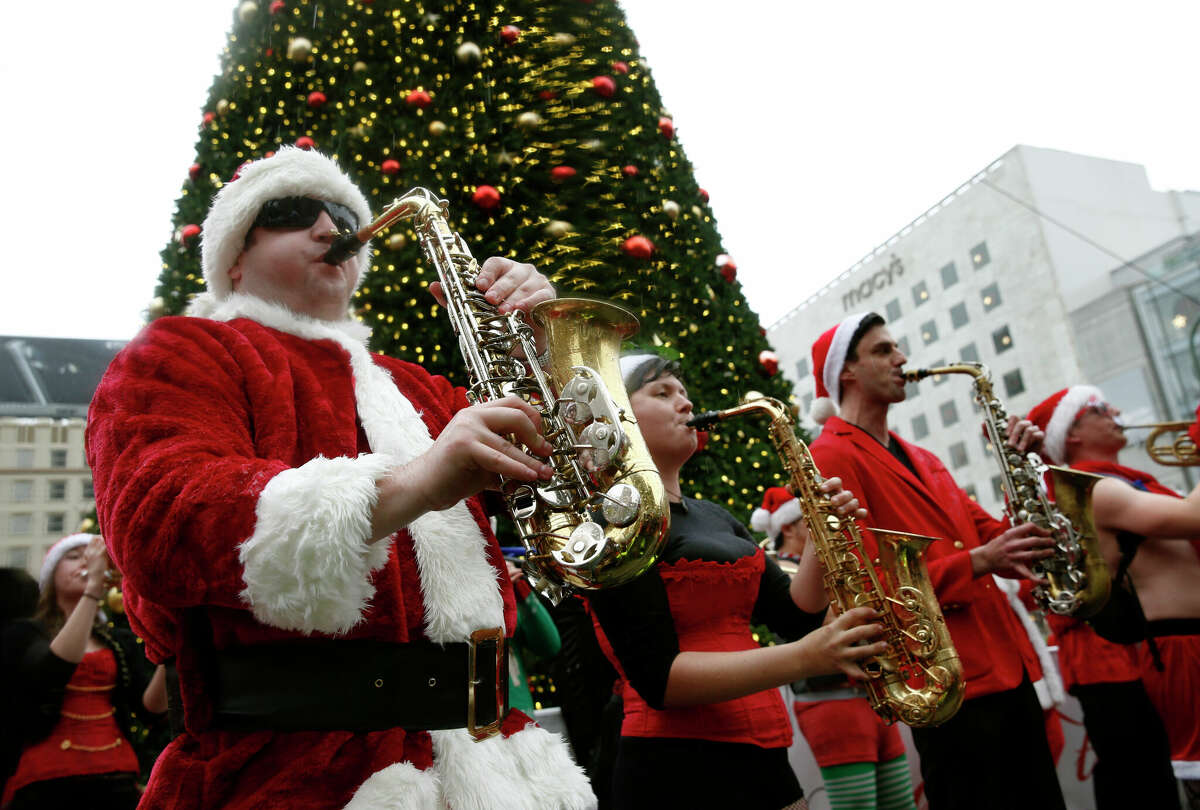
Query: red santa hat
(55, 554)
(828, 358)
(1056, 415)
(779, 508)
(290, 172)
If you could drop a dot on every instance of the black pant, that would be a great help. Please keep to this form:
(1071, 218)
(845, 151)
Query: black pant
(1133, 757)
(109, 791)
(992, 755)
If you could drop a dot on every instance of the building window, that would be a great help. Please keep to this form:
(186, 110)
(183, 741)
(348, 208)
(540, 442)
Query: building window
(920, 294)
(949, 413)
(920, 427)
(949, 275)
(25, 434)
(969, 354)
(24, 458)
(1001, 340)
(1013, 383)
(57, 490)
(89, 491)
(958, 455)
(58, 458)
(938, 379)
(55, 522)
(971, 493)
(806, 403)
(58, 434)
(929, 332)
(20, 523)
(22, 491)
(979, 255)
(997, 487)
(902, 345)
(893, 310)
(958, 315)
(991, 297)
(18, 556)
(802, 369)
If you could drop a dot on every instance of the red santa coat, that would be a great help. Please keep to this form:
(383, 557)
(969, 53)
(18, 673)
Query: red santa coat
(235, 461)
(994, 649)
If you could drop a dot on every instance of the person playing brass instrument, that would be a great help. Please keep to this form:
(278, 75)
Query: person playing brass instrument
(297, 524)
(704, 724)
(994, 752)
(1150, 537)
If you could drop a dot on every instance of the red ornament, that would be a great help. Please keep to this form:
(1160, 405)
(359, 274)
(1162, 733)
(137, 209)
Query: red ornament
(316, 99)
(418, 98)
(701, 440)
(560, 173)
(305, 142)
(639, 247)
(667, 127)
(194, 171)
(510, 34)
(729, 271)
(620, 67)
(390, 166)
(604, 86)
(270, 51)
(703, 195)
(209, 117)
(278, 6)
(486, 197)
(547, 95)
(769, 361)
(629, 170)
(188, 234)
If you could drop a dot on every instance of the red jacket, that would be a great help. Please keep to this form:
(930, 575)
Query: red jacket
(991, 643)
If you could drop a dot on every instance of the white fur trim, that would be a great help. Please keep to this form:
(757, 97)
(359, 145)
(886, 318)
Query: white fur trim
(398, 787)
(1060, 423)
(290, 172)
(836, 358)
(531, 770)
(307, 564)
(460, 587)
(822, 408)
(760, 520)
(785, 514)
(1049, 688)
(1185, 769)
(56, 553)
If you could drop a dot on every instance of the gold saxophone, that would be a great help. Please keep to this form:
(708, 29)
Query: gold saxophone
(919, 680)
(1078, 577)
(603, 518)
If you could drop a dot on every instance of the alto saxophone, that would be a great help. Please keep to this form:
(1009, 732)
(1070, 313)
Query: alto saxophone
(919, 680)
(1077, 576)
(601, 464)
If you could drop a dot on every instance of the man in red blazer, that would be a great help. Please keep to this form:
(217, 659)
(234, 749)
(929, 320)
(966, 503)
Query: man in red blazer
(994, 752)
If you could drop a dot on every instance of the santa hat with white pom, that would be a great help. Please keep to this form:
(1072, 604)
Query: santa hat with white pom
(828, 358)
(779, 508)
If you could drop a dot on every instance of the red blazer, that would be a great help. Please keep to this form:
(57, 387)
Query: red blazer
(992, 645)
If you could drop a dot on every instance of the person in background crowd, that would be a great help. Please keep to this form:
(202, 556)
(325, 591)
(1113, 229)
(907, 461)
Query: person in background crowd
(535, 635)
(1147, 534)
(705, 725)
(76, 685)
(993, 753)
(862, 759)
(18, 599)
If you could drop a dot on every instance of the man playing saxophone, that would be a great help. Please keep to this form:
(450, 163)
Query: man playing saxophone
(993, 753)
(296, 523)
(1152, 535)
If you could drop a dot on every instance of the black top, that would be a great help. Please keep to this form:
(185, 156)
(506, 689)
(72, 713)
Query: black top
(636, 617)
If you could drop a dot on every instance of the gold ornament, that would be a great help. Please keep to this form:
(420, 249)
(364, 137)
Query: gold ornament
(671, 209)
(696, 210)
(468, 53)
(528, 121)
(299, 49)
(397, 241)
(592, 145)
(437, 128)
(156, 308)
(360, 66)
(247, 11)
(557, 228)
(222, 106)
(563, 40)
(504, 159)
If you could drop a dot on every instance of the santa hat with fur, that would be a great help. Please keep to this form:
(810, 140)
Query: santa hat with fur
(828, 358)
(290, 172)
(55, 554)
(779, 508)
(1056, 414)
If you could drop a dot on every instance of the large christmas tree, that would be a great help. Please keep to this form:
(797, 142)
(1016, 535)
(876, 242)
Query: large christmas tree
(540, 124)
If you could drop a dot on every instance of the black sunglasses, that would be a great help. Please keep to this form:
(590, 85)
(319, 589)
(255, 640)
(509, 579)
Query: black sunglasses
(302, 212)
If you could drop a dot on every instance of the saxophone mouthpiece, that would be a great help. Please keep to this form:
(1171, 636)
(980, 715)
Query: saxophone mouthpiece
(344, 246)
(705, 419)
(916, 374)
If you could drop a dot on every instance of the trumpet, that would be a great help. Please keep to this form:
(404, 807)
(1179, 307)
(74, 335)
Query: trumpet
(1182, 452)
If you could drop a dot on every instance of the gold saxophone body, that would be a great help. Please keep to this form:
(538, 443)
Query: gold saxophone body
(1078, 577)
(919, 680)
(603, 518)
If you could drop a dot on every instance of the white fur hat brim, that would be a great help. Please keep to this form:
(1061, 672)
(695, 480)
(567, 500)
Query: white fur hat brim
(290, 172)
(1060, 424)
(56, 553)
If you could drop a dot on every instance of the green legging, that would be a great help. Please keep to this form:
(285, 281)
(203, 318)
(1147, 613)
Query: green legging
(869, 785)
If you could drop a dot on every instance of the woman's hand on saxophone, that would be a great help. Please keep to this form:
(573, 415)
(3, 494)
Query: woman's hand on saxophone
(839, 645)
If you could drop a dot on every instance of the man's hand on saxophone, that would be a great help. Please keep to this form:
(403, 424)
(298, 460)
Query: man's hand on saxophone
(1010, 553)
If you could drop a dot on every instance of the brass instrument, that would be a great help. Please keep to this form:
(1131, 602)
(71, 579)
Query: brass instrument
(603, 518)
(1181, 452)
(1079, 580)
(919, 680)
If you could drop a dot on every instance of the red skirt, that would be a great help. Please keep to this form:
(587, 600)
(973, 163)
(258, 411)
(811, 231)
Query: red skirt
(847, 730)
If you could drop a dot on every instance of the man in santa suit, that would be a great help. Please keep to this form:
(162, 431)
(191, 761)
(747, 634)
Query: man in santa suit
(993, 753)
(296, 523)
(1147, 531)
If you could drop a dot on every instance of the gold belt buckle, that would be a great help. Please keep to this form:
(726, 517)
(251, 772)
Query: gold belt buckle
(495, 634)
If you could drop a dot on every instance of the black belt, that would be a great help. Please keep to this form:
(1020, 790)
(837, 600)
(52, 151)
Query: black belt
(362, 686)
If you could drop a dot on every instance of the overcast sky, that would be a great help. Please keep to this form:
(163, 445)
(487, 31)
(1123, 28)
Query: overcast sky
(818, 129)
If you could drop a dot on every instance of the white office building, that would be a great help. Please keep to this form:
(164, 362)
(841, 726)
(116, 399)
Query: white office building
(1050, 268)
